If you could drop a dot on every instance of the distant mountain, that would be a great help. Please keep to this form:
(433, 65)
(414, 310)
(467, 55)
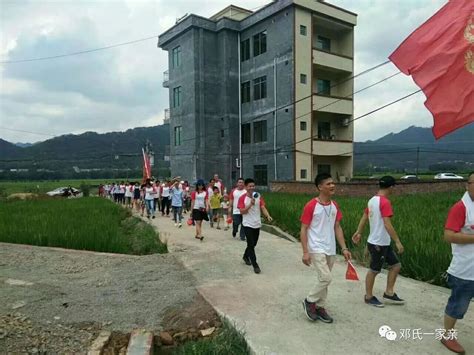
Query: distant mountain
(88, 151)
(23, 145)
(9, 150)
(400, 151)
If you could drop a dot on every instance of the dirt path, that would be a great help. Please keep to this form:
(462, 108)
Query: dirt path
(66, 297)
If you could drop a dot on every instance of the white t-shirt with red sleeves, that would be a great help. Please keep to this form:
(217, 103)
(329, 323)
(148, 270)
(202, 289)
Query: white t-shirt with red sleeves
(199, 199)
(378, 207)
(461, 219)
(235, 195)
(252, 218)
(321, 220)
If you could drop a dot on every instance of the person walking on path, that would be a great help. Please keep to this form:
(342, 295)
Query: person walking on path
(165, 198)
(210, 192)
(157, 186)
(199, 207)
(218, 182)
(128, 195)
(215, 202)
(320, 227)
(150, 192)
(379, 213)
(177, 202)
(251, 205)
(459, 231)
(234, 210)
(136, 196)
(225, 211)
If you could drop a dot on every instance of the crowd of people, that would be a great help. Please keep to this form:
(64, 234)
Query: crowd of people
(320, 230)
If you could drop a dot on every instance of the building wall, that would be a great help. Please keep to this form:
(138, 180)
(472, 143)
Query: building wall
(303, 95)
(279, 47)
(182, 161)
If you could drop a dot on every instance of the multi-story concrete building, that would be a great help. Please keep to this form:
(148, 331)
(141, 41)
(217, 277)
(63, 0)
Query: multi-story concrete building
(264, 94)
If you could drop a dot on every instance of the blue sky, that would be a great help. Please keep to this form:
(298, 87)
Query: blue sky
(120, 88)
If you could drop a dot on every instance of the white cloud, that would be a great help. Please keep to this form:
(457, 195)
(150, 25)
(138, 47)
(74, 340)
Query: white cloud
(121, 88)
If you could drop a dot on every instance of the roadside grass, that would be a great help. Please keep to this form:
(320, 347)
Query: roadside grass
(228, 341)
(418, 219)
(93, 224)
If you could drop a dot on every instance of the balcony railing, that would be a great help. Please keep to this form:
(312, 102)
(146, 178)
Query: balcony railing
(166, 119)
(166, 79)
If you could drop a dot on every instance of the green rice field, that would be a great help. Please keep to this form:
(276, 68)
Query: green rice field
(91, 223)
(418, 219)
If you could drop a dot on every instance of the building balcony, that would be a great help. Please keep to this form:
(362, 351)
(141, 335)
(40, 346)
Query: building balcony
(332, 147)
(166, 119)
(166, 79)
(332, 104)
(333, 61)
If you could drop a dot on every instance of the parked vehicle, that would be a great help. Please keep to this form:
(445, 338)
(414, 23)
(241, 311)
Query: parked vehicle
(65, 192)
(410, 178)
(448, 176)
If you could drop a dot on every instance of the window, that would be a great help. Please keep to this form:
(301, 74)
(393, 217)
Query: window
(324, 168)
(260, 88)
(177, 135)
(245, 50)
(260, 175)
(259, 43)
(177, 96)
(324, 87)
(324, 130)
(302, 30)
(260, 131)
(303, 126)
(303, 78)
(246, 136)
(245, 92)
(323, 43)
(303, 173)
(176, 57)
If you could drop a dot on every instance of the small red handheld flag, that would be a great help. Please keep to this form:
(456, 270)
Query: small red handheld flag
(351, 273)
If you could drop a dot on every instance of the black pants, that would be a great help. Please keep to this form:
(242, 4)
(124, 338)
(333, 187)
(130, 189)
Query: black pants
(165, 204)
(251, 235)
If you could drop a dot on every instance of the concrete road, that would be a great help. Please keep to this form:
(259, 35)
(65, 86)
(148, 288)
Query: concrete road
(268, 306)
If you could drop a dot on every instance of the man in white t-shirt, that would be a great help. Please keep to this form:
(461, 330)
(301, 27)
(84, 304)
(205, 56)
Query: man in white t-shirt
(233, 209)
(320, 227)
(251, 205)
(379, 213)
(459, 231)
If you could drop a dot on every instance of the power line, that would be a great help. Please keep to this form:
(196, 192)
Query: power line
(94, 49)
(79, 52)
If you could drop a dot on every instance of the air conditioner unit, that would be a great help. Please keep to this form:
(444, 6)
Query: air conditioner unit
(345, 122)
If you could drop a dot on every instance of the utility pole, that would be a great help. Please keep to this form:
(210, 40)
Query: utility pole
(417, 159)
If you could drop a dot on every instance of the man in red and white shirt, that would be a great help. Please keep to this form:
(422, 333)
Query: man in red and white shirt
(251, 205)
(379, 213)
(320, 227)
(234, 210)
(459, 231)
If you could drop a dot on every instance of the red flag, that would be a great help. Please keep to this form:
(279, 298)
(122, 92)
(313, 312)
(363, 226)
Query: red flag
(146, 166)
(439, 55)
(351, 273)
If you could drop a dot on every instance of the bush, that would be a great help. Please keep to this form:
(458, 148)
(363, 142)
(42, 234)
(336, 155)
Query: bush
(86, 189)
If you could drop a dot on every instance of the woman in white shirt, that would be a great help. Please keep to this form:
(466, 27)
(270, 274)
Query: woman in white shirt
(150, 192)
(199, 207)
